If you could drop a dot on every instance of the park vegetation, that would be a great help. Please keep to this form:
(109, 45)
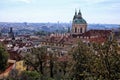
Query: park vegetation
(92, 61)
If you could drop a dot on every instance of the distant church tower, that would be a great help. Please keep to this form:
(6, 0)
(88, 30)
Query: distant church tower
(79, 25)
(11, 34)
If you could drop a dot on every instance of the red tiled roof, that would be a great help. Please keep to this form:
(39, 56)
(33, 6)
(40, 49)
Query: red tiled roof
(62, 59)
(6, 41)
(97, 32)
(8, 69)
(13, 55)
(98, 39)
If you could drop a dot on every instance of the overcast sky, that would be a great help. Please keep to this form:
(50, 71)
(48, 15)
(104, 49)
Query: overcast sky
(93, 11)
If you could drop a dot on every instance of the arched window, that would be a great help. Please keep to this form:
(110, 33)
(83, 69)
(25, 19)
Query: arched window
(75, 29)
(80, 30)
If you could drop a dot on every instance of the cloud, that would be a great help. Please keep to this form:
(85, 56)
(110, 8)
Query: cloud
(24, 1)
(91, 2)
(94, 1)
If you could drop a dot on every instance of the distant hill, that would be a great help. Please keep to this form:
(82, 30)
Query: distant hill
(49, 27)
(103, 26)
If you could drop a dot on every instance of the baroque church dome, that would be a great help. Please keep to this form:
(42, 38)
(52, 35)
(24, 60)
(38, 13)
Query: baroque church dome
(77, 19)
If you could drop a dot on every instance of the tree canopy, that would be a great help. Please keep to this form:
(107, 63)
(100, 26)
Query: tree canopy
(30, 75)
(3, 58)
(36, 58)
(86, 62)
(97, 61)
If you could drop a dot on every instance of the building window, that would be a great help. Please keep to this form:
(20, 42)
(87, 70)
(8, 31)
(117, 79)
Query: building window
(75, 29)
(80, 30)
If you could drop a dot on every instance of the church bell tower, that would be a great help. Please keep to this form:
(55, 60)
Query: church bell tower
(79, 25)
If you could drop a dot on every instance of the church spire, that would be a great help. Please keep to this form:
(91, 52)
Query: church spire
(75, 12)
(79, 13)
(75, 16)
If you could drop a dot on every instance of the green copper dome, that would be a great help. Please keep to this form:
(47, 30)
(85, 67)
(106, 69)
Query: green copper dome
(79, 21)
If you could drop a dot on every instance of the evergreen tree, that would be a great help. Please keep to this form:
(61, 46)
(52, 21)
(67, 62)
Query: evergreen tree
(36, 58)
(81, 61)
(30, 75)
(52, 61)
(3, 58)
(97, 62)
(106, 64)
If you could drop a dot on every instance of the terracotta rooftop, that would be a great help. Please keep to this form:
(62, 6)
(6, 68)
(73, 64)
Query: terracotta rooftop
(63, 59)
(6, 72)
(13, 55)
(98, 39)
(97, 33)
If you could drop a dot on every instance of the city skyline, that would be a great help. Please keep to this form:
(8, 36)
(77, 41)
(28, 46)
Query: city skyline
(97, 11)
